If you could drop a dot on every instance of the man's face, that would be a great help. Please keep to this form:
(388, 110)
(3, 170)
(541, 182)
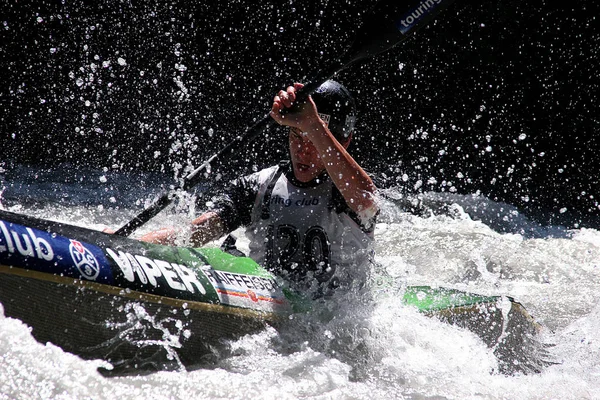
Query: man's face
(306, 162)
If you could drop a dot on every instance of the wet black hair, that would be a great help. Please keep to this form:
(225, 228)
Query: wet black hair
(337, 107)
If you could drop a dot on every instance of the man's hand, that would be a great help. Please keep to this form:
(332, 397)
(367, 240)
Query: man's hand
(302, 115)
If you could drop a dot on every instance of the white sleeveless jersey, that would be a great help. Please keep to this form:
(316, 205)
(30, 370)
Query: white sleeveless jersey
(299, 229)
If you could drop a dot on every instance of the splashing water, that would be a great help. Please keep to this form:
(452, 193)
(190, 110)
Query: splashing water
(359, 346)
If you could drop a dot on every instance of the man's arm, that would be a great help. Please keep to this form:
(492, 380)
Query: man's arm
(352, 181)
(205, 228)
(231, 209)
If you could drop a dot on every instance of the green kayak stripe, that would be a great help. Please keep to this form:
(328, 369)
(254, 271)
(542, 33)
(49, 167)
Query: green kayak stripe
(427, 298)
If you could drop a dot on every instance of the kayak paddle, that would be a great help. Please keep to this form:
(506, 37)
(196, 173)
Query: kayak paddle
(384, 26)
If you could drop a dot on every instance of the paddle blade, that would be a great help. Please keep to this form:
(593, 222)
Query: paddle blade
(389, 23)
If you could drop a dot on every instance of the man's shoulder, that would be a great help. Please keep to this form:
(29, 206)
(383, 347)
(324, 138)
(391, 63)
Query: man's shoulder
(267, 172)
(255, 178)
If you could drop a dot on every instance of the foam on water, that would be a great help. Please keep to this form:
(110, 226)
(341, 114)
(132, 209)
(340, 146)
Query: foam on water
(359, 348)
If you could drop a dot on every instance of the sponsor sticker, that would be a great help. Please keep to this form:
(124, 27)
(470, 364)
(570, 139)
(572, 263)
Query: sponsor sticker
(84, 260)
(244, 290)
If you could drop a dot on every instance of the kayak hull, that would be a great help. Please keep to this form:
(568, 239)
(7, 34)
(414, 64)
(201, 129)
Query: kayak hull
(133, 336)
(144, 307)
(501, 322)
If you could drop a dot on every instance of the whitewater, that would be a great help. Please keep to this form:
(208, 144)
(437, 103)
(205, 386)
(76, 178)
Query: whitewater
(465, 242)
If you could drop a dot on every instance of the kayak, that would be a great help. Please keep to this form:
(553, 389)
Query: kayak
(144, 307)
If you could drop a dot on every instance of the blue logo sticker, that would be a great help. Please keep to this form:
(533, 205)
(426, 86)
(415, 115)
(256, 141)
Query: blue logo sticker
(37, 250)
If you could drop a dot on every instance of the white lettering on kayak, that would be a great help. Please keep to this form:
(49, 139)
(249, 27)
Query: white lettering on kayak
(149, 271)
(28, 245)
(150, 268)
(189, 278)
(170, 274)
(124, 261)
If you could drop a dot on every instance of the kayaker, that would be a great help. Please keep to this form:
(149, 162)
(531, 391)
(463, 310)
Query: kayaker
(311, 219)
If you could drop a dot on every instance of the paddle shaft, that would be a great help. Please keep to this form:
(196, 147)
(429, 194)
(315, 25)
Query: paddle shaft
(384, 26)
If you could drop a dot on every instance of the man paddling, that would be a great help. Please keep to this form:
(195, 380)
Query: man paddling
(313, 220)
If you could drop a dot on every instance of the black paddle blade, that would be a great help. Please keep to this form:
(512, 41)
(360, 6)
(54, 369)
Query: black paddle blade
(389, 23)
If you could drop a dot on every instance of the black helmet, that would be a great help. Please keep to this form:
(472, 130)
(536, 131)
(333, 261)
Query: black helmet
(337, 107)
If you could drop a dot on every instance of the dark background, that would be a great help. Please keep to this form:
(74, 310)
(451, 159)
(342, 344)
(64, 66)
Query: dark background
(498, 98)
